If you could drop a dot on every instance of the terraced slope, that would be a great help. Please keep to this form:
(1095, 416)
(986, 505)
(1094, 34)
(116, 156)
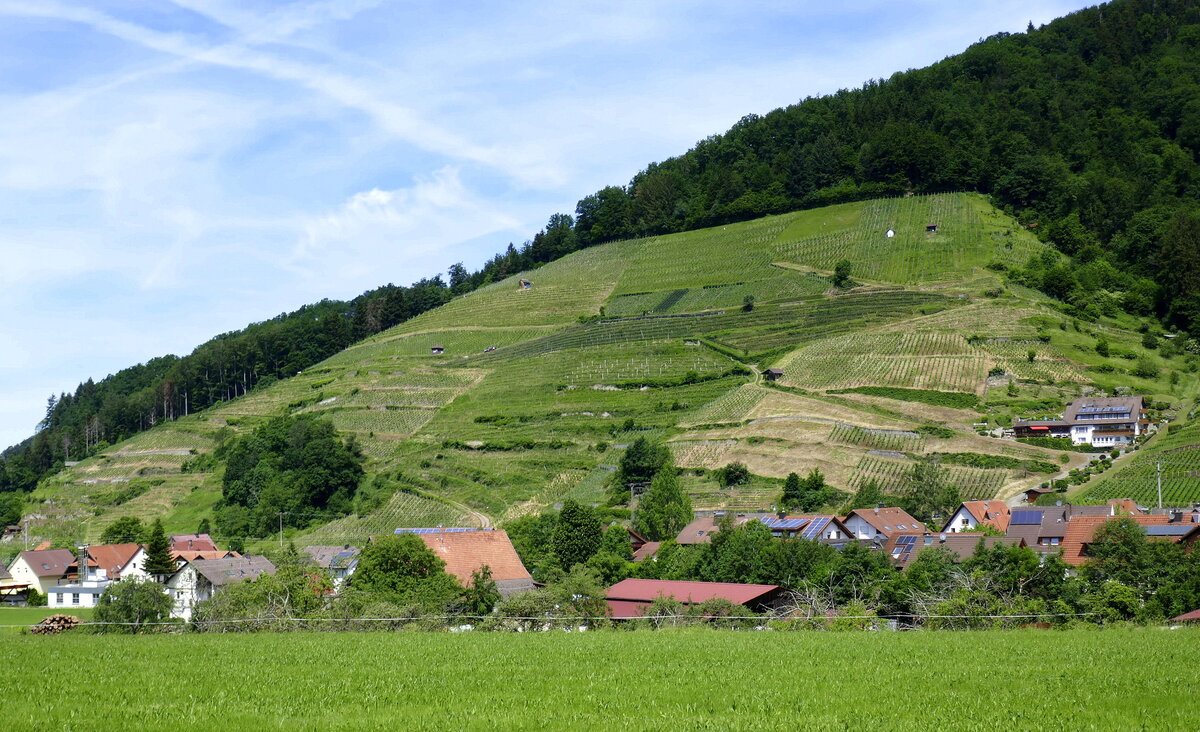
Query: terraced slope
(534, 391)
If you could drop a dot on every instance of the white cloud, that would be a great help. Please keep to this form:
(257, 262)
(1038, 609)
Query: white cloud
(407, 231)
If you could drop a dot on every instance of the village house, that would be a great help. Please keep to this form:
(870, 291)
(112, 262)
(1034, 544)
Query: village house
(630, 598)
(903, 549)
(1100, 421)
(42, 569)
(105, 564)
(828, 529)
(11, 591)
(972, 514)
(200, 579)
(339, 560)
(879, 523)
(701, 528)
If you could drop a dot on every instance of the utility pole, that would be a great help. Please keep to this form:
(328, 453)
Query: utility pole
(1158, 475)
(281, 515)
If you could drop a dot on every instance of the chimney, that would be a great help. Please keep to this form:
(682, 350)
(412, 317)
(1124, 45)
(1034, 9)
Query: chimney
(878, 506)
(782, 515)
(1176, 516)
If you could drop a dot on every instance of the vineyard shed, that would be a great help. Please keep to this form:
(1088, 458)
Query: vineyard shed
(437, 350)
(931, 228)
(773, 374)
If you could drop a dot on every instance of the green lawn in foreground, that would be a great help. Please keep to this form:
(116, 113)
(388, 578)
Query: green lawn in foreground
(1114, 679)
(26, 616)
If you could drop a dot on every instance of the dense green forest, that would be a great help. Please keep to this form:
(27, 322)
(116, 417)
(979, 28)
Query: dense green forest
(1086, 130)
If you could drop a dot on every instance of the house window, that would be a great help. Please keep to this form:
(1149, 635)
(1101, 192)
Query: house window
(74, 598)
(61, 595)
(965, 521)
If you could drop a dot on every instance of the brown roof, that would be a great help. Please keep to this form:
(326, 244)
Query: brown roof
(1081, 529)
(112, 558)
(647, 550)
(701, 529)
(192, 542)
(961, 545)
(49, 562)
(1126, 505)
(888, 521)
(466, 552)
(336, 556)
(1193, 615)
(228, 571)
(1132, 404)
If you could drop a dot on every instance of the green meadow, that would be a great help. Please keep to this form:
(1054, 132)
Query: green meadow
(995, 680)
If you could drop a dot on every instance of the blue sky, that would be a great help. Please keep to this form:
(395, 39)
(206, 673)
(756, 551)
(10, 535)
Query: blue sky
(173, 170)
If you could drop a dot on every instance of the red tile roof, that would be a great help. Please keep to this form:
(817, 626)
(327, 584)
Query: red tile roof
(466, 552)
(192, 542)
(990, 513)
(190, 555)
(1081, 529)
(112, 558)
(1193, 615)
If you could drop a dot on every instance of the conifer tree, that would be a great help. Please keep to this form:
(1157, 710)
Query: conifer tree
(665, 508)
(158, 551)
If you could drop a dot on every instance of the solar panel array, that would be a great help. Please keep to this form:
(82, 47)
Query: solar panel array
(814, 529)
(1172, 530)
(904, 547)
(1025, 518)
(438, 530)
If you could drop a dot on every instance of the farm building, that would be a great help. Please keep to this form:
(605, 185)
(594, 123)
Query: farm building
(339, 560)
(466, 551)
(437, 350)
(1033, 494)
(1104, 422)
(971, 514)
(11, 591)
(200, 579)
(881, 523)
(41, 570)
(630, 598)
(773, 374)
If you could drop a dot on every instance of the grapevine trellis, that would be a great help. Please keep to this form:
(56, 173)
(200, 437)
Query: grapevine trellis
(892, 477)
(878, 439)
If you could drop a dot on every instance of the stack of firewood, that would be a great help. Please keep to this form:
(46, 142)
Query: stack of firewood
(55, 624)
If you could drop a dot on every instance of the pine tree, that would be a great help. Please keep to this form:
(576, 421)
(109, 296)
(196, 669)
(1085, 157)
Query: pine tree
(158, 551)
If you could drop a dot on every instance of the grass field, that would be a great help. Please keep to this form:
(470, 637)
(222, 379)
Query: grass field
(1017, 680)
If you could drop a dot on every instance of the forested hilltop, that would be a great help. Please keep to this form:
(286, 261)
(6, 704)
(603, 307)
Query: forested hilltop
(1086, 130)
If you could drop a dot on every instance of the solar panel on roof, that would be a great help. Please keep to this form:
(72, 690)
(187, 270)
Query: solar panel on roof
(1025, 518)
(816, 527)
(1175, 530)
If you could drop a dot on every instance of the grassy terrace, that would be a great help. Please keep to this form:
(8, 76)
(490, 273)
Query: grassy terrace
(667, 680)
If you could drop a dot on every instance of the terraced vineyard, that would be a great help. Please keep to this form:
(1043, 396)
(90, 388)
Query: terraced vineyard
(1179, 453)
(893, 440)
(891, 476)
(537, 390)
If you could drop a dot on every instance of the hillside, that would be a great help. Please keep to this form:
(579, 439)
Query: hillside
(1086, 130)
(535, 393)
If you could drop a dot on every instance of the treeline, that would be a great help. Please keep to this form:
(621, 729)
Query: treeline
(1086, 130)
